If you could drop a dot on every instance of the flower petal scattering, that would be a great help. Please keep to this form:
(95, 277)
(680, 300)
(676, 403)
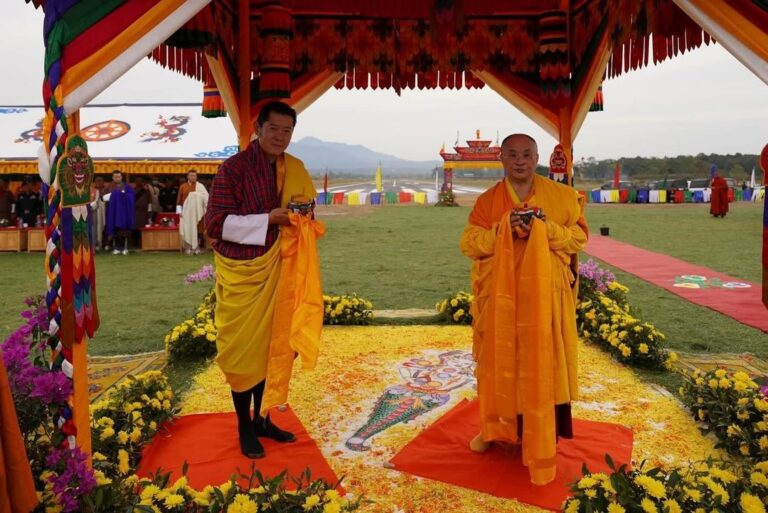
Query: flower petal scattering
(358, 365)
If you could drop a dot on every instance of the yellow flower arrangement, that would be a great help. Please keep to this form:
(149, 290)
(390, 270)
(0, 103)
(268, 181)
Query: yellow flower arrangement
(605, 319)
(714, 484)
(456, 309)
(125, 419)
(194, 338)
(731, 406)
(347, 310)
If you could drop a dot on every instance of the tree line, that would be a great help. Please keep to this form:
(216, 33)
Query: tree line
(738, 166)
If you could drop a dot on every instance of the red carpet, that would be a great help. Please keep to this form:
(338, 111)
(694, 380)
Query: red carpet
(441, 452)
(208, 443)
(744, 305)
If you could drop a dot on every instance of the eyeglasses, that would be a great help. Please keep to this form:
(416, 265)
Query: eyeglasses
(515, 156)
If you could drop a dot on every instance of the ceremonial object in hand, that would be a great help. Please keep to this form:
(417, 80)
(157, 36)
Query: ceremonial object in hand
(301, 205)
(526, 214)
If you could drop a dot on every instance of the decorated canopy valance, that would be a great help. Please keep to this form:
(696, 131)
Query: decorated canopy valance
(428, 44)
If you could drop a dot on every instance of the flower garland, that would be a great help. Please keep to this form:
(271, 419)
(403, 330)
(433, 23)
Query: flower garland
(606, 319)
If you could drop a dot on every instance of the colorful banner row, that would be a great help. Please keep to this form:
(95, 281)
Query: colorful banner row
(377, 198)
(677, 196)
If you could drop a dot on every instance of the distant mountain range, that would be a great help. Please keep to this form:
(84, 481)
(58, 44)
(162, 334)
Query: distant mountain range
(320, 155)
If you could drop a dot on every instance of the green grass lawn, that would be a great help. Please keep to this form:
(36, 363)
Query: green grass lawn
(408, 257)
(140, 296)
(730, 245)
(397, 257)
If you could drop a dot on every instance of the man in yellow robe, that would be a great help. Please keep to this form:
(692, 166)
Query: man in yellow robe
(269, 304)
(524, 331)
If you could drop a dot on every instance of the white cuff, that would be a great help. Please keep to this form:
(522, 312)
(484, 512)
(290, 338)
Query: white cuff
(178, 209)
(13, 208)
(250, 229)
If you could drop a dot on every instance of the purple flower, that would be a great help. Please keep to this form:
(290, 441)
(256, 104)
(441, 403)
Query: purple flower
(205, 273)
(72, 477)
(764, 390)
(51, 387)
(592, 272)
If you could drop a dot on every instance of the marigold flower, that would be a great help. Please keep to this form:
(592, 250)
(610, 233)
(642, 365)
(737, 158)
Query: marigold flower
(751, 504)
(648, 505)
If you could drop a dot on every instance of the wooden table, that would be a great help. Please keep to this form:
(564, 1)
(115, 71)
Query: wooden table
(36, 239)
(13, 239)
(160, 239)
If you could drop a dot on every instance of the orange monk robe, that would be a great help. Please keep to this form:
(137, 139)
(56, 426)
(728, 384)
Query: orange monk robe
(524, 338)
(184, 191)
(17, 489)
(719, 197)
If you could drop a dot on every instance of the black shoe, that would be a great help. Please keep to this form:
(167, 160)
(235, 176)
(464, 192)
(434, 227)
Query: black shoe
(266, 429)
(250, 445)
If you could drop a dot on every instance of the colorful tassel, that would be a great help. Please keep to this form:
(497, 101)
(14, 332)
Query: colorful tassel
(276, 34)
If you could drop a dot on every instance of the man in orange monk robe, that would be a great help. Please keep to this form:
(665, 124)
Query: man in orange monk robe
(719, 198)
(524, 331)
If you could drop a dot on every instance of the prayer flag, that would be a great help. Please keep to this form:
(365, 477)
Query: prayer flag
(379, 187)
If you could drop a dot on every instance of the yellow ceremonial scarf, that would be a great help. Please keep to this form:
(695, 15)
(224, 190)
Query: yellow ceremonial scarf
(271, 307)
(513, 377)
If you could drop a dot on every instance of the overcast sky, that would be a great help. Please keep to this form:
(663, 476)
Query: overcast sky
(702, 102)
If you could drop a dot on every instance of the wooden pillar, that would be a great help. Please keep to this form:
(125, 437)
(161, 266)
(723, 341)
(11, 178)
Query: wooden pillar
(74, 123)
(80, 401)
(244, 72)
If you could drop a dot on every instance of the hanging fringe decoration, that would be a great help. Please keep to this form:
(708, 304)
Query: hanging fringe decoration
(213, 104)
(597, 102)
(276, 34)
(554, 68)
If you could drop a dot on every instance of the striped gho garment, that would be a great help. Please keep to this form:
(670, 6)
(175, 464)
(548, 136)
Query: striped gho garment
(245, 184)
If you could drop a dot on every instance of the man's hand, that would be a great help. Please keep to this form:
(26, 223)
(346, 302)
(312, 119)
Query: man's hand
(279, 216)
(517, 224)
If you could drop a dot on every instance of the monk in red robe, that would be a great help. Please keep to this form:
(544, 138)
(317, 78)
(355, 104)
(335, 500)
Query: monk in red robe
(523, 237)
(719, 198)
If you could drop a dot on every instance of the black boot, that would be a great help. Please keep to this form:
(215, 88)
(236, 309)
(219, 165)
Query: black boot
(249, 443)
(264, 426)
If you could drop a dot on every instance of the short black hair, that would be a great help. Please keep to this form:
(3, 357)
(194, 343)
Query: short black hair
(117, 172)
(520, 135)
(278, 108)
(192, 171)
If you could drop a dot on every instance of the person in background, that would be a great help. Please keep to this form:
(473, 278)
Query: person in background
(120, 212)
(718, 206)
(7, 203)
(28, 204)
(142, 206)
(98, 211)
(191, 205)
(168, 194)
(153, 186)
